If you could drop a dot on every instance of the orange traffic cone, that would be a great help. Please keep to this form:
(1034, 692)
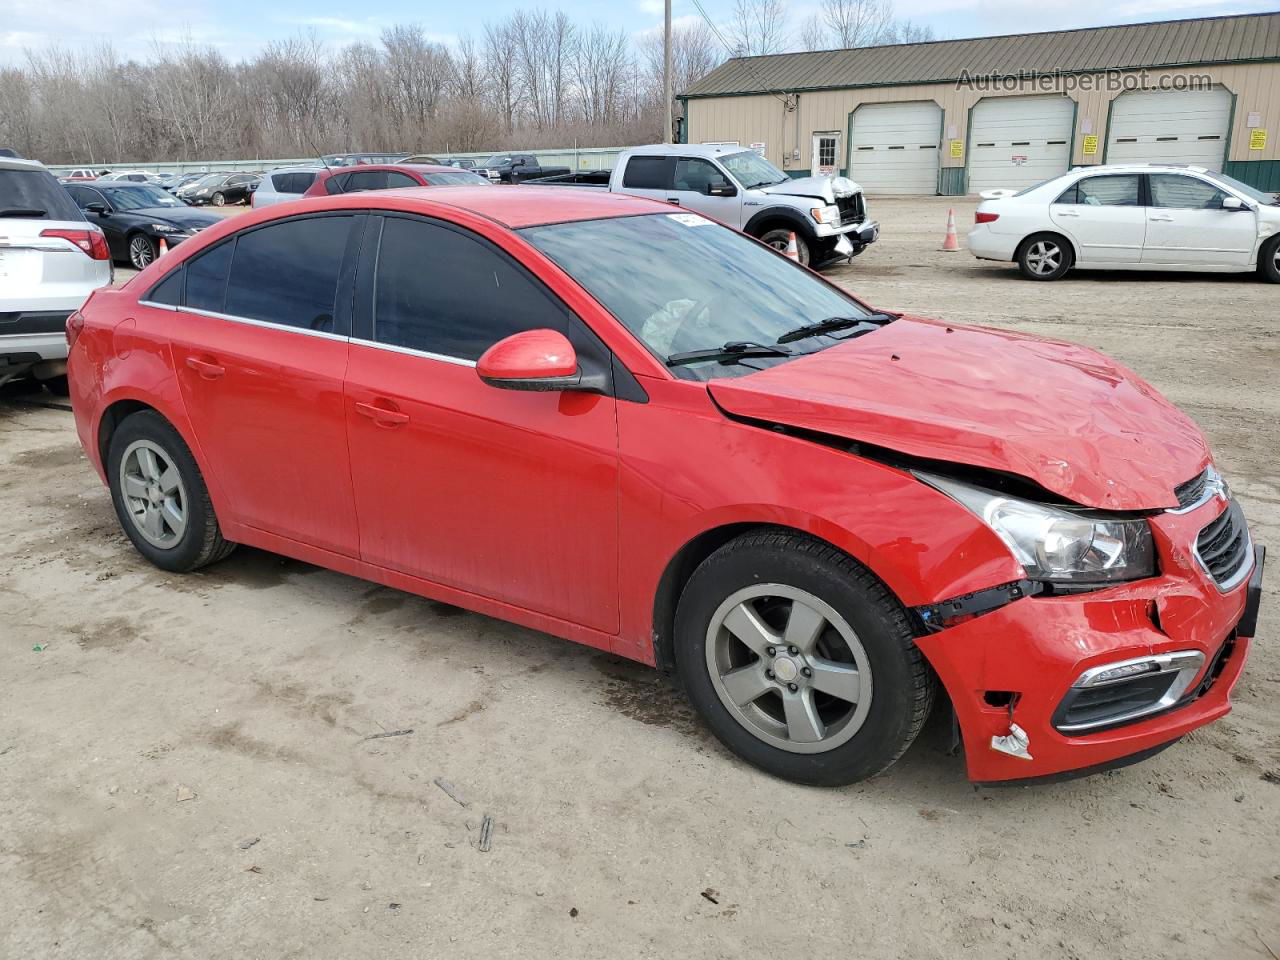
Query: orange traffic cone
(951, 242)
(793, 251)
(164, 246)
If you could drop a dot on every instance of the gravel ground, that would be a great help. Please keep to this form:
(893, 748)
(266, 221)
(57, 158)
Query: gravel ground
(186, 768)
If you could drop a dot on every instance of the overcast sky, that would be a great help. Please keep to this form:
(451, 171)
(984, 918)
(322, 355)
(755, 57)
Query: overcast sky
(239, 27)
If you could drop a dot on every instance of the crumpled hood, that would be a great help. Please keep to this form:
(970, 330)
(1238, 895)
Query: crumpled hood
(828, 188)
(1064, 416)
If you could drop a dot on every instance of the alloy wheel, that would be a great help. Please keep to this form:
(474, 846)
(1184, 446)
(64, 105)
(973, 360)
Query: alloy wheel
(141, 252)
(1044, 257)
(154, 494)
(219, 199)
(789, 668)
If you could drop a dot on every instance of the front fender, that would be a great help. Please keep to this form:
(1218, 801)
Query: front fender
(794, 218)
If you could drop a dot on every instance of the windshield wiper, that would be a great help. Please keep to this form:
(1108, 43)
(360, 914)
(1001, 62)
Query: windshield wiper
(832, 324)
(731, 352)
(22, 212)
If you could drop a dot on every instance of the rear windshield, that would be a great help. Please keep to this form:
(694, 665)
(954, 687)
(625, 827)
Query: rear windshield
(35, 194)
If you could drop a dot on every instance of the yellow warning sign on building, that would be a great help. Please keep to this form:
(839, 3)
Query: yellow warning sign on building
(957, 148)
(1090, 145)
(1257, 139)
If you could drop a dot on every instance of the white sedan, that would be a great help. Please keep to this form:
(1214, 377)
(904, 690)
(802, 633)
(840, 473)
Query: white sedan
(1131, 217)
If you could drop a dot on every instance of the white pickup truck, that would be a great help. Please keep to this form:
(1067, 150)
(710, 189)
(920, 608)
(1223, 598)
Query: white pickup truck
(742, 189)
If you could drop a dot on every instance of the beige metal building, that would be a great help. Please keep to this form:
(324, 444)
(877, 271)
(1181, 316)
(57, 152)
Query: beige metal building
(961, 116)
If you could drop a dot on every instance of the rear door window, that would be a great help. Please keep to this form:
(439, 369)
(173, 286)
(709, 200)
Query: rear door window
(1116, 190)
(207, 278)
(648, 173)
(366, 180)
(287, 273)
(35, 194)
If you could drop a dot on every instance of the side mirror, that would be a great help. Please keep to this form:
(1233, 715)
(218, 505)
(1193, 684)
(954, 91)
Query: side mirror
(1233, 203)
(531, 360)
(721, 190)
(99, 208)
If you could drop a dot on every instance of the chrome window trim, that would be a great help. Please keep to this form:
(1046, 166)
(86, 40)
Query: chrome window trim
(409, 351)
(266, 324)
(1187, 664)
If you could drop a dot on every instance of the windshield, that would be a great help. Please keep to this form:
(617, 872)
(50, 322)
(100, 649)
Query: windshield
(453, 179)
(1252, 192)
(498, 159)
(752, 170)
(212, 179)
(139, 198)
(703, 286)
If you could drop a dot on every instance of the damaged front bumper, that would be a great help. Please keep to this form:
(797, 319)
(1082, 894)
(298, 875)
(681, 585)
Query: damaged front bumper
(1055, 686)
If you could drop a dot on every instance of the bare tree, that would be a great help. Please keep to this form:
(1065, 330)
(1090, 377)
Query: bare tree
(848, 24)
(758, 27)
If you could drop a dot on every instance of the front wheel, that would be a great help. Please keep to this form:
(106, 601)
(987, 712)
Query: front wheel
(142, 251)
(800, 661)
(1269, 260)
(218, 200)
(1044, 256)
(160, 497)
(779, 239)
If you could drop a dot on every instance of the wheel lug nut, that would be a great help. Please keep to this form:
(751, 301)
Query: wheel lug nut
(793, 650)
(769, 674)
(806, 671)
(792, 687)
(772, 652)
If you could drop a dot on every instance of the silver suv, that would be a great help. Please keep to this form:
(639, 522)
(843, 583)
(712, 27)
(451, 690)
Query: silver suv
(282, 184)
(51, 259)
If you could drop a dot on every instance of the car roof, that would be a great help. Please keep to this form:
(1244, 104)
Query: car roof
(297, 168)
(1140, 168)
(16, 163)
(529, 206)
(416, 167)
(688, 149)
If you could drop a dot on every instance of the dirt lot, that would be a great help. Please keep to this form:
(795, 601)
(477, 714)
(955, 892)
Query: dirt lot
(185, 769)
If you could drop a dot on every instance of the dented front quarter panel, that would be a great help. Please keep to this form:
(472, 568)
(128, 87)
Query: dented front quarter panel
(1035, 648)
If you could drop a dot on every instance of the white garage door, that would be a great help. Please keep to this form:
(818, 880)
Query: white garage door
(895, 147)
(1017, 141)
(1187, 126)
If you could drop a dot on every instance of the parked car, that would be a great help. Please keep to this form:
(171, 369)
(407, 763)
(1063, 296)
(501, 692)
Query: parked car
(181, 180)
(220, 189)
(284, 183)
(358, 159)
(1132, 217)
(516, 168)
(464, 163)
(389, 177)
(83, 173)
(132, 176)
(136, 217)
(827, 215)
(812, 510)
(424, 158)
(51, 259)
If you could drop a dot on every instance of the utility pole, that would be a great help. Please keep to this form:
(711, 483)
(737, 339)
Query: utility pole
(666, 70)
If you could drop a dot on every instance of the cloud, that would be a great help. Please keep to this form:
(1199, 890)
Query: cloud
(357, 28)
(677, 23)
(651, 7)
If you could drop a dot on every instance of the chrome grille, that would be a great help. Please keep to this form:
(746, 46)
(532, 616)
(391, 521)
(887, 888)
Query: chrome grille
(1224, 548)
(1189, 493)
(851, 209)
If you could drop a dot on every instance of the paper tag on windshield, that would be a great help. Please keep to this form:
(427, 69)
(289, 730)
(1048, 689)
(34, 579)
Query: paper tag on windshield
(689, 219)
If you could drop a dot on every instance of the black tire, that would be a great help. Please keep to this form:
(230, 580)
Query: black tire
(1269, 260)
(202, 542)
(218, 199)
(902, 683)
(142, 251)
(1033, 251)
(779, 238)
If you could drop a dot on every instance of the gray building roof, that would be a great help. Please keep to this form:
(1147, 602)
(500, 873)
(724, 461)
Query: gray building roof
(1170, 43)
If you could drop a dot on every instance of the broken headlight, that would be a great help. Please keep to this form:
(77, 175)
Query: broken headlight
(1059, 544)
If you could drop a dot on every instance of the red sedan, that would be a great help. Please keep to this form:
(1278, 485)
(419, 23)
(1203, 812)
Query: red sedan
(390, 176)
(640, 430)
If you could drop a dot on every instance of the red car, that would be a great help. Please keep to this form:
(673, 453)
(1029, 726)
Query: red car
(389, 176)
(640, 430)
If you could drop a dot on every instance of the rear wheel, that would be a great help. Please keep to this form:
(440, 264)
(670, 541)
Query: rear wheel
(1269, 260)
(218, 199)
(800, 661)
(1044, 256)
(779, 240)
(160, 497)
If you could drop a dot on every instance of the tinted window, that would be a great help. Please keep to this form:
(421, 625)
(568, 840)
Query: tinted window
(442, 291)
(648, 173)
(207, 278)
(395, 179)
(37, 195)
(1186, 193)
(292, 182)
(698, 175)
(336, 184)
(288, 272)
(1110, 191)
(369, 180)
(168, 290)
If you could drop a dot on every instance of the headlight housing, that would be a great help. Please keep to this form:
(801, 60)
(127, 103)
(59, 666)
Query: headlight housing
(827, 214)
(1055, 544)
(165, 228)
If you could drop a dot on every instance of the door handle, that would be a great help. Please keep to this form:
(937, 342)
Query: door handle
(207, 370)
(1162, 219)
(675, 200)
(382, 416)
(1067, 213)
